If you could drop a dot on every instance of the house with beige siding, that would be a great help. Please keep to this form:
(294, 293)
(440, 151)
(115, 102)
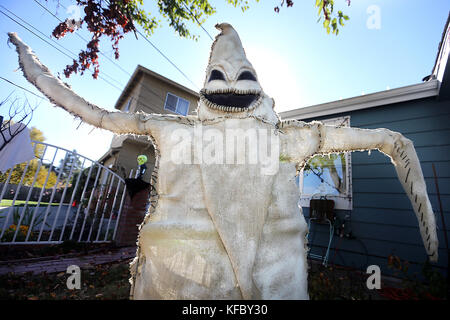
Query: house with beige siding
(149, 92)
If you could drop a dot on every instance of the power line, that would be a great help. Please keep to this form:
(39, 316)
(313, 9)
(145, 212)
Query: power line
(65, 54)
(112, 61)
(14, 84)
(34, 33)
(31, 27)
(161, 53)
(50, 43)
(58, 44)
(81, 37)
(170, 61)
(102, 78)
(111, 84)
(193, 16)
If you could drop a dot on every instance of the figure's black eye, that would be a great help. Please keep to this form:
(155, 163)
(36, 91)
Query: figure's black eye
(216, 75)
(247, 75)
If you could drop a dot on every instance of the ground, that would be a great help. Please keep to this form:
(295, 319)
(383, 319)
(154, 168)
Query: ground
(110, 281)
(107, 281)
(104, 271)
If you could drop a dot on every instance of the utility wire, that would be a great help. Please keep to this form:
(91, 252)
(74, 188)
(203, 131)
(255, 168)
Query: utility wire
(112, 61)
(52, 45)
(161, 53)
(34, 33)
(80, 36)
(14, 84)
(111, 84)
(193, 16)
(55, 42)
(170, 61)
(43, 39)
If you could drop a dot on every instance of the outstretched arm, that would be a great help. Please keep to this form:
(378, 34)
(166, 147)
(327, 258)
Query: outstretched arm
(403, 156)
(330, 139)
(61, 95)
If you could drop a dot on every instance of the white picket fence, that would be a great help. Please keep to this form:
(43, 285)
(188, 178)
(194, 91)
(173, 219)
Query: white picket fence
(83, 205)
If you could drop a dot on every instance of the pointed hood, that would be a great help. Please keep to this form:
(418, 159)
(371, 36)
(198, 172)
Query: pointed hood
(231, 86)
(228, 48)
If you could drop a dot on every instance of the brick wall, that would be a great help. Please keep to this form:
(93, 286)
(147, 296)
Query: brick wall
(132, 215)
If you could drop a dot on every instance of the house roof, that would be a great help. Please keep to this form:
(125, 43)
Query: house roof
(441, 69)
(436, 84)
(415, 91)
(136, 76)
(441, 55)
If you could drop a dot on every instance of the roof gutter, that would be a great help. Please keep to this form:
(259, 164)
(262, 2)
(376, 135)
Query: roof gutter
(407, 93)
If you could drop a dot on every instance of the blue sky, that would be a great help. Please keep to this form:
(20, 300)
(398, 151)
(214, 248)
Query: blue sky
(297, 63)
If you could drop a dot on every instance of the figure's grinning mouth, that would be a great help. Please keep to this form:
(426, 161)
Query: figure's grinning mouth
(231, 100)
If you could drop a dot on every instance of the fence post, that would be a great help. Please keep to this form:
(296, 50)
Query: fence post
(132, 216)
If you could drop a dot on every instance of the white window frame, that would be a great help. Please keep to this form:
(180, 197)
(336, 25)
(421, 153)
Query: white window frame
(342, 202)
(176, 108)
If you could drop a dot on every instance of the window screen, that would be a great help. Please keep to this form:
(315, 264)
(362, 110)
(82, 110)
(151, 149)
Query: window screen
(176, 104)
(171, 102)
(183, 106)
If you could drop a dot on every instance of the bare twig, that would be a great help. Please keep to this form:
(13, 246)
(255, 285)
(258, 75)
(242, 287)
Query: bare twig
(24, 111)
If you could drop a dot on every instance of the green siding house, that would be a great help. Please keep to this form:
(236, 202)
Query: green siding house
(375, 217)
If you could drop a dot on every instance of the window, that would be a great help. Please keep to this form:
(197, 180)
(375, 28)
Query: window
(127, 107)
(328, 176)
(176, 104)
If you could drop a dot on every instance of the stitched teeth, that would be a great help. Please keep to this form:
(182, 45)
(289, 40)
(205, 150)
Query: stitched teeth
(225, 108)
(230, 90)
